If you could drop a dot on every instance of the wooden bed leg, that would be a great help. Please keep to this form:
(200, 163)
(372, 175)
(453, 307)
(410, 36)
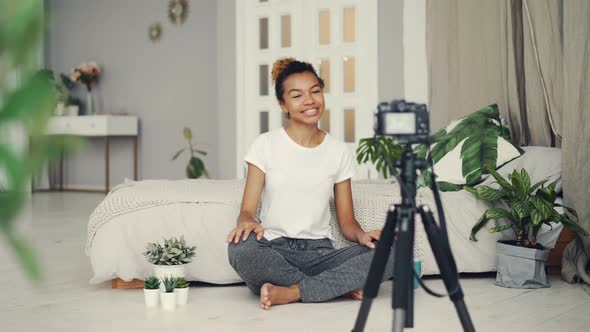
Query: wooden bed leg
(120, 284)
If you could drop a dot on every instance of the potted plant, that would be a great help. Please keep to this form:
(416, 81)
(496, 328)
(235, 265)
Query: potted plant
(195, 168)
(181, 291)
(167, 295)
(151, 291)
(170, 259)
(521, 263)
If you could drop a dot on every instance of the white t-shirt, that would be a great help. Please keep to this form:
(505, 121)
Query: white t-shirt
(299, 183)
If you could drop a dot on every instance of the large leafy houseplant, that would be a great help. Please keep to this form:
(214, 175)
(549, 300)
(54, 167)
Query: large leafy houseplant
(195, 168)
(27, 101)
(527, 207)
(173, 252)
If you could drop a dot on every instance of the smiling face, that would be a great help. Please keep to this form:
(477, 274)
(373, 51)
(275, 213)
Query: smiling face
(303, 98)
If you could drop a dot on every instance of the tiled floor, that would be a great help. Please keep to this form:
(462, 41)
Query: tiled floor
(66, 302)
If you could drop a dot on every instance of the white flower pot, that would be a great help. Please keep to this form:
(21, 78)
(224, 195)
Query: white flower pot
(181, 295)
(59, 109)
(163, 271)
(152, 297)
(168, 301)
(73, 110)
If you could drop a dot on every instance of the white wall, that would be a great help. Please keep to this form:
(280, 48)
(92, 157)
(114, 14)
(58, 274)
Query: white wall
(168, 85)
(414, 44)
(189, 77)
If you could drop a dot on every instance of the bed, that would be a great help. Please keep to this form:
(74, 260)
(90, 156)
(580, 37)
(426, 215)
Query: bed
(204, 211)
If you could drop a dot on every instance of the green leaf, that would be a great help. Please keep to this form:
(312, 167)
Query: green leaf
(479, 149)
(34, 98)
(567, 222)
(501, 181)
(480, 223)
(26, 256)
(378, 152)
(497, 229)
(526, 180)
(568, 209)
(537, 185)
(498, 213)
(518, 185)
(487, 193)
(178, 153)
(522, 209)
(536, 217)
(188, 134)
(447, 186)
(544, 207)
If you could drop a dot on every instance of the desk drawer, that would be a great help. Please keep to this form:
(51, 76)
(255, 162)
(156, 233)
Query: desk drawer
(93, 125)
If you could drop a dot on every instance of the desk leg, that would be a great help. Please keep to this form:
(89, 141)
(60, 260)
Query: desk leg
(61, 172)
(106, 162)
(135, 158)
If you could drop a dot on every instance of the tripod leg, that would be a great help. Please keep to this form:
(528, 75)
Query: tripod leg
(403, 262)
(377, 268)
(448, 270)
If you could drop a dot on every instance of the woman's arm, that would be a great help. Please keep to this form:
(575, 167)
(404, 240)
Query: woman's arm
(252, 192)
(349, 226)
(246, 222)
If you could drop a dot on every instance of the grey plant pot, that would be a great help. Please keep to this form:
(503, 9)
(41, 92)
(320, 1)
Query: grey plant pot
(520, 267)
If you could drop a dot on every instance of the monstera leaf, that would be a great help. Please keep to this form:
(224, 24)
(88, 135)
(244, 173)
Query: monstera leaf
(479, 135)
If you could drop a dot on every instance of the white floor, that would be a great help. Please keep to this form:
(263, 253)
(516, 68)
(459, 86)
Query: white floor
(66, 302)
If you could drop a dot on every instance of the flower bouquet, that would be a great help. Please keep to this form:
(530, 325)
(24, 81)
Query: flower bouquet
(87, 74)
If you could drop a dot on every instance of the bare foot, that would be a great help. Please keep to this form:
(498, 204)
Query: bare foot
(274, 295)
(355, 294)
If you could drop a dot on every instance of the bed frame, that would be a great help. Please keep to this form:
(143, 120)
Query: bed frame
(553, 263)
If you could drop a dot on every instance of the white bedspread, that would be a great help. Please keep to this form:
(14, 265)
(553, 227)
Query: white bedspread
(132, 196)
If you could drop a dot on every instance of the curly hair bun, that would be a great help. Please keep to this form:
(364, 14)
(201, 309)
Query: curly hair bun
(279, 66)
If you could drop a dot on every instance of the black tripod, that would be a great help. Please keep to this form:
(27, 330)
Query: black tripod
(400, 224)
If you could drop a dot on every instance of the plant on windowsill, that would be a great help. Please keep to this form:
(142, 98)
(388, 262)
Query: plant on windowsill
(167, 296)
(528, 208)
(195, 168)
(151, 291)
(170, 259)
(181, 291)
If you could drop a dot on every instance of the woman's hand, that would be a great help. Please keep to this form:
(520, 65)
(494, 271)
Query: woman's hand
(366, 238)
(245, 227)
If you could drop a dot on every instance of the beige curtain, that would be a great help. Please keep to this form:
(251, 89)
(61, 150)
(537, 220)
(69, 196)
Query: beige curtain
(576, 130)
(531, 58)
(483, 52)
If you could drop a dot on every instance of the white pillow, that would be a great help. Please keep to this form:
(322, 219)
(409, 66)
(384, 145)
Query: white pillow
(540, 163)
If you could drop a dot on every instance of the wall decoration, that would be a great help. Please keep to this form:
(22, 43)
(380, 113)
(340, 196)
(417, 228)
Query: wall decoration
(155, 32)
(178, 11)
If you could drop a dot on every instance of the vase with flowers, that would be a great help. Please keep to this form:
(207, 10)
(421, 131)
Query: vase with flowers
(87, 74)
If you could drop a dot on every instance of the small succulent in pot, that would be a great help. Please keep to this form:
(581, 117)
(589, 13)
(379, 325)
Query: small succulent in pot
(152, 282)
(181, 282)
(169, 284)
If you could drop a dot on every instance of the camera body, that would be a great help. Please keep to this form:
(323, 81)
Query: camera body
(407, 122)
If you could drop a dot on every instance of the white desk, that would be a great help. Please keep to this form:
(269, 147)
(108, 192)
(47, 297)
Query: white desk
(105, 126)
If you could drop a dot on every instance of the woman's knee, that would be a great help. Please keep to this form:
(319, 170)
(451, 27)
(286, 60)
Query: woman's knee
(245, 249)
